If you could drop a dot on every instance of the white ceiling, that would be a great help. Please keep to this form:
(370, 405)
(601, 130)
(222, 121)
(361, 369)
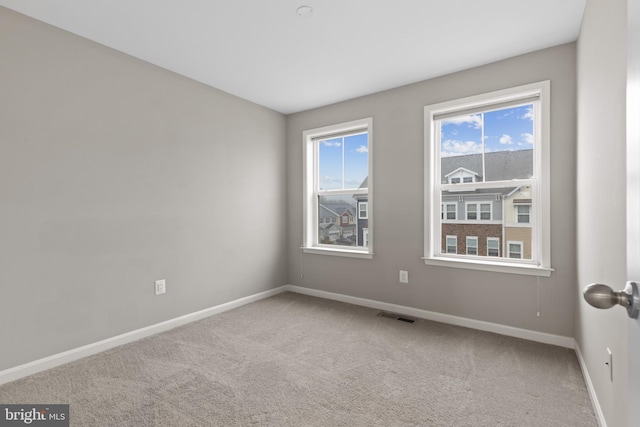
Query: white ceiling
(261, 50)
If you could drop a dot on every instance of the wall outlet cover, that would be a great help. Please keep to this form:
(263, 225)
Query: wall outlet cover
(161, 286)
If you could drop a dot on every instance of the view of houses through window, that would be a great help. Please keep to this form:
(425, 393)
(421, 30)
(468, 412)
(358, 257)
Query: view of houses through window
(343, 202)
(496, 147)
(337, 189)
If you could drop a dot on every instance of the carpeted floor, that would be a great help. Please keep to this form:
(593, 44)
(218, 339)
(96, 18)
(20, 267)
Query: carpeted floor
(294, 360)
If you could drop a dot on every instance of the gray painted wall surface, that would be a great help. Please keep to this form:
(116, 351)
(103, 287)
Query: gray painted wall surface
(601, 214)
(398, 169)
(114, 173)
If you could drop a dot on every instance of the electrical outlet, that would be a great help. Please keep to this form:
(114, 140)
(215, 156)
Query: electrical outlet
(404, 276)
(609, 364)
(161, 286)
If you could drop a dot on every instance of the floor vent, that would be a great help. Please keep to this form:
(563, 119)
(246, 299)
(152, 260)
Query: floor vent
(396, 316)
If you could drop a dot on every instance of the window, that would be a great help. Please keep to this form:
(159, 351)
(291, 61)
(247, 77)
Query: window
(452, 244)
(337, 189)
(490, 152)
(515, 249)
(363, 208)
(523, 213)
(449, 211)
(472, 245)
(485, 211)
(472, 211)
(493, 246)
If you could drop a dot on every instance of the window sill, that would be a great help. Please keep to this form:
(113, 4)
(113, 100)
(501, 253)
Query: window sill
(499, 267)
(338, 252)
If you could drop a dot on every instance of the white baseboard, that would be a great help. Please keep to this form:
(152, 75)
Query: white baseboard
(49, 362)
(497, 328)
(592, 391)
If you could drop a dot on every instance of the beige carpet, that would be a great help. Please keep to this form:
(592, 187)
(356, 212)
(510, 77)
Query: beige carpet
(293, 360)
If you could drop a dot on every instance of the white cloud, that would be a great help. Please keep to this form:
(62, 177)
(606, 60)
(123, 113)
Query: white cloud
(527, 138)
(474, 120)
(362, 149)
(452, 147)
(332, 144)
(529, 114)
(506, 139)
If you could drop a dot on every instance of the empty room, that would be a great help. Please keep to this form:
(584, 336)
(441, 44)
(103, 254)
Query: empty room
(319, 213)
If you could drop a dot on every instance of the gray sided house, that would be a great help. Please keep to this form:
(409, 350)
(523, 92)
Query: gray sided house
(362, 212)
(336, 222)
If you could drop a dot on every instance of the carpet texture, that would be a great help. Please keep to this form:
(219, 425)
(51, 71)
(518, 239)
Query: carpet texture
(294, 360)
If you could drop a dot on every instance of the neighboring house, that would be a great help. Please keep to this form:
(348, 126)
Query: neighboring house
(487, 222)
(517, 223)
(329, 233)
(362, 209)
(337, 223)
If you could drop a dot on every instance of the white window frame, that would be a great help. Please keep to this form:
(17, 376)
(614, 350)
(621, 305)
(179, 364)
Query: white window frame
(446, 244)
(478, 205)
(540, 264)
(493, 239)
(475, 239)
(311, 191)
(513, 242)
(366, 210)
(444, 211)
(518, 213)
(466, 211)
(480, 211)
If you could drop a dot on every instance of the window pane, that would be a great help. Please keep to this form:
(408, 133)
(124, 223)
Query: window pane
(490, 213)
(524, 214)
(338, 223)
(509, 142)
(460, 147)
(485, 211)
(343, 162)
(356, 161)
(362, 210)
(488, 146)
(515, 250)
(452, 245)
(451, 211)
(472, 245)
(493, 247)
(330, 164)
(472, 211)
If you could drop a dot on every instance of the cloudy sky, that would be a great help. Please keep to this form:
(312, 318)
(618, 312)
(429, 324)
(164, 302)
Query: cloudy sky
(343, 162)
(504, 130)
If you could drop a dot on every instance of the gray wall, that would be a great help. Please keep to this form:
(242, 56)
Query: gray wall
(398, 167)
(601, 178)
(114, 173)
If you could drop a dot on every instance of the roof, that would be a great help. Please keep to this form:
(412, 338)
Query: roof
(461, 169)
(333, 209)
(499, 165)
